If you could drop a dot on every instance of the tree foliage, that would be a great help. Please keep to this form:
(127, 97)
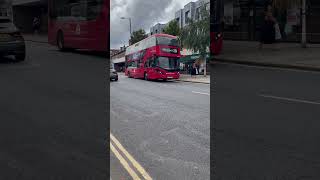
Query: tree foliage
(172, 28)
(137, 36)
(196, 35)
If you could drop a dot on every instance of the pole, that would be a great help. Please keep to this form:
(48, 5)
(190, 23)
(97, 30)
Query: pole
(205, 65)
(304, 24)
(130, 26)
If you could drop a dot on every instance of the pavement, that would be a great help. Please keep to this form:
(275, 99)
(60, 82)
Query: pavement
(53, 121)
(39, 38)
(195, 79)
(266, 123)
(284, 55)
(164, 126)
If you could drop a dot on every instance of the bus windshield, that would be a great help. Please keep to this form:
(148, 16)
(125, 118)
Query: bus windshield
(167, 63)
(161, 40)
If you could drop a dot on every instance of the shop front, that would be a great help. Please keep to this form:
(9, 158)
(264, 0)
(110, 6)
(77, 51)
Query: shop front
(187, 62)
(24, 12)
(243, 20)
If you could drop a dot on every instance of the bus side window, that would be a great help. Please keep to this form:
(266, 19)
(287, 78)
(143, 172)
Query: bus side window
(154, 61)
(150, 62)
(147, 64)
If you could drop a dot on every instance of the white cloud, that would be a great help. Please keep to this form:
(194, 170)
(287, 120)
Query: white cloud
(144, 14)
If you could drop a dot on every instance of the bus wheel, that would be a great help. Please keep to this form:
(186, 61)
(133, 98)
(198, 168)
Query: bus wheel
(60, 41)
(129, 76)
(146, 77)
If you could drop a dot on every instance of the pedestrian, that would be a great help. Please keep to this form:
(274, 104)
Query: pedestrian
(193, 70)
(197, 69)
(268, 29)
(36, 25)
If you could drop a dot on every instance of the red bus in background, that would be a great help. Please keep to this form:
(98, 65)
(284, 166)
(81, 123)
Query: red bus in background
(216, 26)
(156, 57)
(79, 24)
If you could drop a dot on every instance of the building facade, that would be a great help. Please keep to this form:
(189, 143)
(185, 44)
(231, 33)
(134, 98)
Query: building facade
(25, 10)
(244, 18)
(158, 28)
(118, 59)
(191, 11)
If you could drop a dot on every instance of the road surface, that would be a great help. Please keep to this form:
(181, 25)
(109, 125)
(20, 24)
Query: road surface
(266, 123)
(52, 112)
(164, 126)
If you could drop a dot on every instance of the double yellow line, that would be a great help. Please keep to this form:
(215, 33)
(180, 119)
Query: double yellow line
(118, 149)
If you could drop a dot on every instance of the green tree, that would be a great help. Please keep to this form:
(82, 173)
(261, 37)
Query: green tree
(172, 28)
(196, 35)
(137, 36)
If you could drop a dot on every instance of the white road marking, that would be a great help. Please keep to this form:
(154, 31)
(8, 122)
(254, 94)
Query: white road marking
(208, 94)
(290, 99)
(272, 68)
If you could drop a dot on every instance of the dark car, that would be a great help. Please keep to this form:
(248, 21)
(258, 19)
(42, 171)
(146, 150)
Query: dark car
(11, 40)
(113, 73)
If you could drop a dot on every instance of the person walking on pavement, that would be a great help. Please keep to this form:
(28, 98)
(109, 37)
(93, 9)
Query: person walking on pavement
(268, 29)
(193, 70)
(36, 25)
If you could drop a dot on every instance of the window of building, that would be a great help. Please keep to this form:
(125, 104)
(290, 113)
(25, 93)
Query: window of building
(187, 18)
(197, 13)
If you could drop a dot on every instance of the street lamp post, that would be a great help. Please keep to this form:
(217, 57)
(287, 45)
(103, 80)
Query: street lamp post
(129, 23)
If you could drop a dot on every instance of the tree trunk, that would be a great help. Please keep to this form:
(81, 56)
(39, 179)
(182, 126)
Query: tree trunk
(304, 24)
(205, 66)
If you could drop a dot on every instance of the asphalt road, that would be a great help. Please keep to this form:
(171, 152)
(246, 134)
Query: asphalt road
(266, 123)
(52, 116)
(165, 126)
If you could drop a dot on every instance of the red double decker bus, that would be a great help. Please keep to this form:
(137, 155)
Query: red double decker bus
(79, 24)
(156, 57)
(216, 26)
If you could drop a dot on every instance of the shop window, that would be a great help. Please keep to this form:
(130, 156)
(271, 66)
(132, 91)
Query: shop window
(235, 19)
(187, 19)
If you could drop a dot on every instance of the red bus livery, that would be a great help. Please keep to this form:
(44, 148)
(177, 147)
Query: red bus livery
(216, 26)
(156, 57)
(79, 24)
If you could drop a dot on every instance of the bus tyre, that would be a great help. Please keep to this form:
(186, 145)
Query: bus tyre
(60, 41)
(129, 76)
(146, 77)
